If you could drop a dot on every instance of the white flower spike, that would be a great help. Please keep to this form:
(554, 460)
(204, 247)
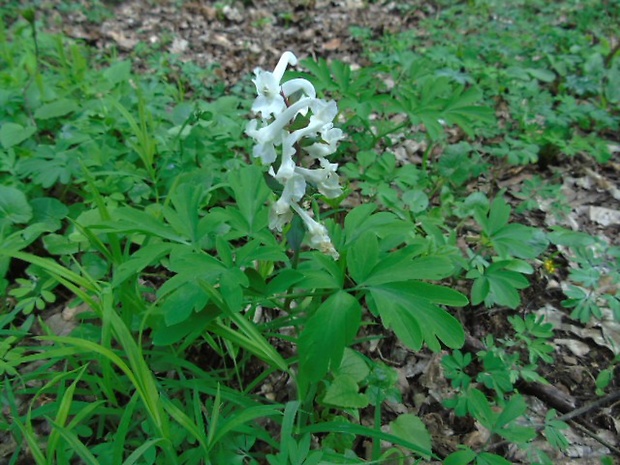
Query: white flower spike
(278, 105)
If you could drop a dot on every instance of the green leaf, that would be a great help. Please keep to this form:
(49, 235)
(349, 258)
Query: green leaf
(400, 266)
(77, 446)
(416, 200)
(120, 71)
(543, 75)
(55, 109)
(461, 457)
(498, 285)
(363, 256)
(612, 87)
(12, 134)
(438, 294)
(360, 219)
(48, 210)
(327, 332)
(399, 317)
(353, 365)
(480, 289)
(346, 427)
(513, 409)
(51, 165)
(180, 304)
(142, 258)
(283, 281)
(570, 238)
(321, 272)
(344, 392)
(184, 218)
(518, 434)
(499, 214)
(553, 432)
(408, 309)
(190, 266)
(127, 219)
(409, 426)
(95, 265)
(14, 205)
(232, 283)
(510, 240)
(496, 374)
(518, 240)
(251, 192)
(241, 418)
(481, 408)
(189, 329)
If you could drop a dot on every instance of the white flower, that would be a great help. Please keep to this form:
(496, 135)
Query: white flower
(278, 105)
(281, 214)
(319, 238)
(270, 100)
(269, 136)
(303, 86)
(325, 179)
(320, 150)
(287, 58)
(323, 113)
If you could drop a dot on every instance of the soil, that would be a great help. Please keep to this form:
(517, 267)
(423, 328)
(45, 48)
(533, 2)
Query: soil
(242, 36)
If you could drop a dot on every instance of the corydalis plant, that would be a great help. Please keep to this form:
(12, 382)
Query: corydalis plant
(302, 151)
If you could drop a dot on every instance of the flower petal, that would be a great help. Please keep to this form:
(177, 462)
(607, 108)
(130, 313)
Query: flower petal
(319, 238)
(287, 58)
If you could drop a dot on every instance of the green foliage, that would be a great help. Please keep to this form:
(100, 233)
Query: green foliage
(593, 278)
(121, 198)
(502, 365)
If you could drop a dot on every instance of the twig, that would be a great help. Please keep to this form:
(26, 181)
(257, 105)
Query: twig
(611, 397)
(594, 436)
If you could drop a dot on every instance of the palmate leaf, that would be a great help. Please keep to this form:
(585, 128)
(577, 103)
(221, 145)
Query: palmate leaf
(498, 285)
(182, 302)
(363, 256)
(461, 110)
(509, 239)
(184, 217)
(409, 308)
(51, 165)
(327, 332)
(251, 192)
(361, 219)
(132, 220)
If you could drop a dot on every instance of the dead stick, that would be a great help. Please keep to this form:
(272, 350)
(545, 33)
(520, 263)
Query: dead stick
(594, 436)
(609, 398)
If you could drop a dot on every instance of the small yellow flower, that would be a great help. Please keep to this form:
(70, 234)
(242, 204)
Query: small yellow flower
(549, 265)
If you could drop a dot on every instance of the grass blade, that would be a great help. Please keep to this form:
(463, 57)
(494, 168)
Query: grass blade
(63, 412)
(140, 451)
(123, 429)
(77, 445)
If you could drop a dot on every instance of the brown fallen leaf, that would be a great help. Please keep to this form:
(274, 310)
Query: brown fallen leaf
(332, 45)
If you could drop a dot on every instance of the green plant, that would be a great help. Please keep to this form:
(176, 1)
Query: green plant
(504, 362)
(222, 309)
(594, 277)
